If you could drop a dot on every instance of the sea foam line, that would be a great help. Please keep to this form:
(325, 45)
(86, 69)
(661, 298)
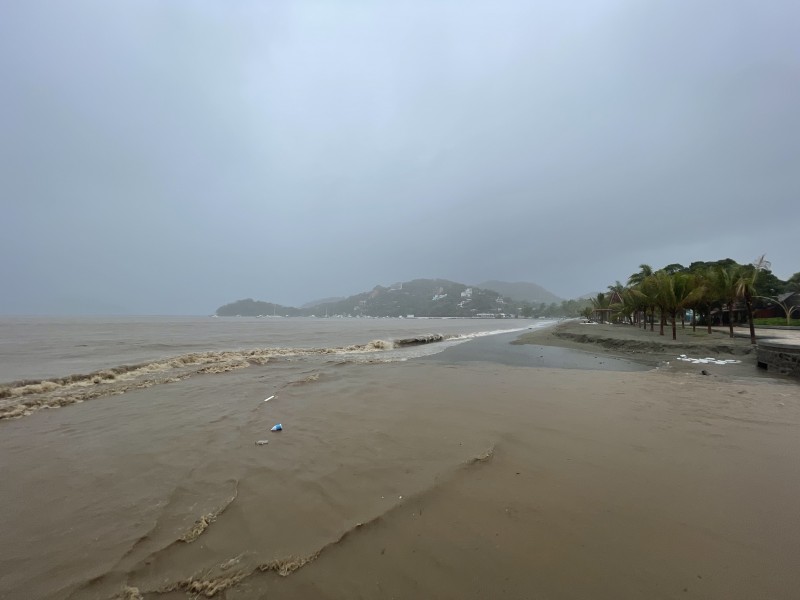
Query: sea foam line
(22, 398)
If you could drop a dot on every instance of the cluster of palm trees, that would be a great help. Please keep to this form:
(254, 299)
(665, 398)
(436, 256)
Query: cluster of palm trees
(668, 293)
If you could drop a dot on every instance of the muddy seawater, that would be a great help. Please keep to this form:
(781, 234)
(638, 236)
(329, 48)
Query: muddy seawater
(401, 471)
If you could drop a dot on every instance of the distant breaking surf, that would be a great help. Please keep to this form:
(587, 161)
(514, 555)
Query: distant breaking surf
(22, 398)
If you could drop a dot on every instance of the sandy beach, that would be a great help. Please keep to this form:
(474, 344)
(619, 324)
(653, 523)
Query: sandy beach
(461, 475)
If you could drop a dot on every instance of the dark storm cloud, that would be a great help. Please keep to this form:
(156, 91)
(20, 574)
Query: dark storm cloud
(169, 157)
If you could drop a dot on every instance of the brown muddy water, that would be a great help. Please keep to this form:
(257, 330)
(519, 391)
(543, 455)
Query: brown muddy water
(406, 479)
(146, 430)
(51, 362)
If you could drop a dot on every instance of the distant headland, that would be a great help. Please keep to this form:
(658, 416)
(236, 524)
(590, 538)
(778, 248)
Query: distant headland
(424, 298)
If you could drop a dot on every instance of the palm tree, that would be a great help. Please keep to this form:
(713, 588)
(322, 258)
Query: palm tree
(725, 283)
(632, 305)
(616, 301)
(649, 288)
(637, 282)
(660, 285)
(745, 285)
(601, 305)
(715, 293)
(685, 293)
(641, 302)
(702, 299)
(645, 271)
(676, 292)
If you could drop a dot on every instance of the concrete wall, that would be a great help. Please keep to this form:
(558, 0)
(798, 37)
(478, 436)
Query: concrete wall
(780, 358)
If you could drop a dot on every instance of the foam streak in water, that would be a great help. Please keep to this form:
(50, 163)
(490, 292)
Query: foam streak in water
(22, 398)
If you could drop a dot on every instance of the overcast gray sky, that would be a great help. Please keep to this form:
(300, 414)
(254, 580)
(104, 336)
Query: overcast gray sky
(168, 157)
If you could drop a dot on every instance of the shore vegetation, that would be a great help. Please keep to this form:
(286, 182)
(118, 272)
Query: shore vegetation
(720, 293)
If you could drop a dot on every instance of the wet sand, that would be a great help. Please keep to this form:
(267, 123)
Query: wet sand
(451, 478)
(512, 350)
(645, 347)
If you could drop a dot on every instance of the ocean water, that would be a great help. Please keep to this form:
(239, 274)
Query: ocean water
(51, 362)
(124, 439)
(138, 462)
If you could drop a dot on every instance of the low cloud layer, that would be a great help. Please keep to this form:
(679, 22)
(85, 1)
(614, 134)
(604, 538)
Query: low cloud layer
(170, 157)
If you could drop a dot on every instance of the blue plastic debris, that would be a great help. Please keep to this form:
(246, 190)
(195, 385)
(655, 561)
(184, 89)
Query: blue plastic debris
(277, 427)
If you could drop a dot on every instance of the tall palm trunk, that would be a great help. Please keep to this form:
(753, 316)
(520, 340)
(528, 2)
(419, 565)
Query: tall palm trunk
(749, 302)
(730, 317)
(694, 320)
(662, 322)
(652, 318)
(674, 331)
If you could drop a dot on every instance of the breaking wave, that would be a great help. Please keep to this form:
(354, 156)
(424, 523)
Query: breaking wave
(425, 345)
(22, 398)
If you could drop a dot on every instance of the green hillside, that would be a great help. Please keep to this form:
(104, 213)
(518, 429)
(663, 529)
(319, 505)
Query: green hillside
(256, 308)
(423, 298)
(521, 291)
(420, 298)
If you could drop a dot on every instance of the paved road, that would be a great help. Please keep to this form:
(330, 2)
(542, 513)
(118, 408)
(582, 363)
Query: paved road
(791, 336)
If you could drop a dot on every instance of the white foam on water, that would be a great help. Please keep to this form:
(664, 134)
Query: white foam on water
(21, 398)
(418, 351)
(708, 360)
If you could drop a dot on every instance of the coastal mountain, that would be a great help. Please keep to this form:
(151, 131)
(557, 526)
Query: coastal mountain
(423, 298)
(329, 300)
(256, 308)
(420, 298)
(521, 291)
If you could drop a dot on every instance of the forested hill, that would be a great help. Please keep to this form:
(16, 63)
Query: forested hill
(420, 297)
(329, 300)
(521, 291)
(256, 308)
